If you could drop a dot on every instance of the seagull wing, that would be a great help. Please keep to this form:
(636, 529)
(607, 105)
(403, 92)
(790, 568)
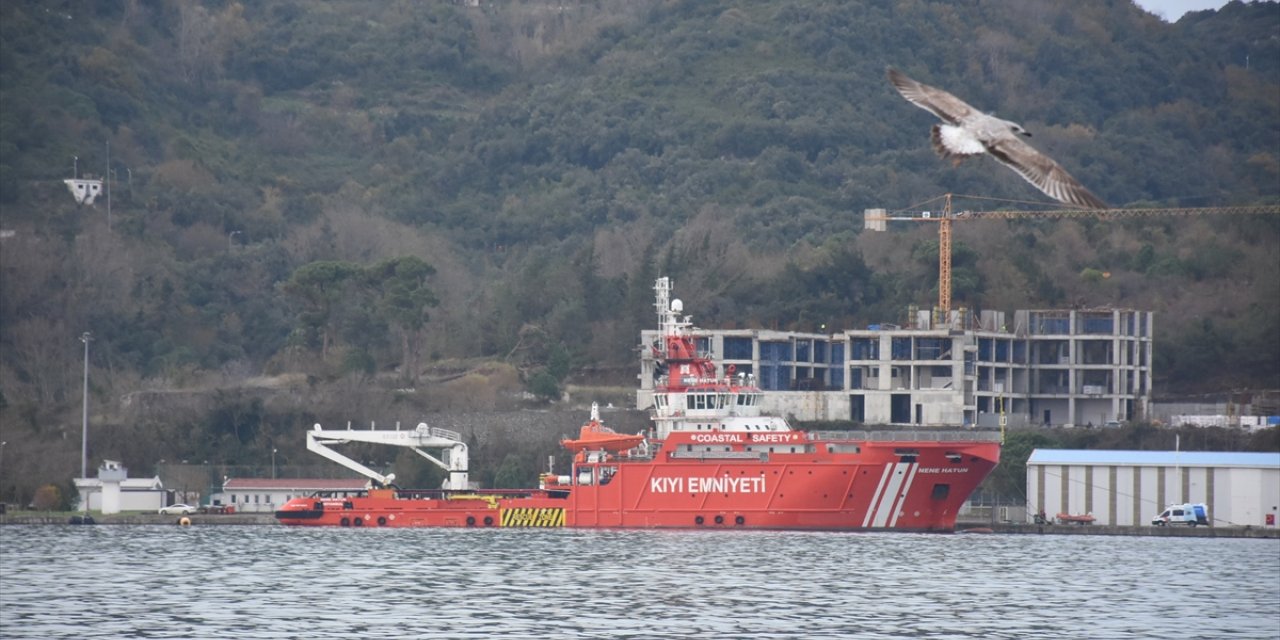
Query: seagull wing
(1041, 171)
(932, 99)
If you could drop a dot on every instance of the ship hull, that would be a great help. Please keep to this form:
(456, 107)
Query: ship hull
(902, 486)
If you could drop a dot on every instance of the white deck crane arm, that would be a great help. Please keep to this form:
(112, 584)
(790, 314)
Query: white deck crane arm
(321, 441)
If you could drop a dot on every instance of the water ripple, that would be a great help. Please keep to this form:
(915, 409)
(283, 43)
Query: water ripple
(275, 582)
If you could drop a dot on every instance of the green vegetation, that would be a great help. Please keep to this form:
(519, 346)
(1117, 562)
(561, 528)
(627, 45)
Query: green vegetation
(340, 200)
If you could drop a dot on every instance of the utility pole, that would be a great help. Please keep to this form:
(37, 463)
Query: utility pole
(84, 425)
(108, 181)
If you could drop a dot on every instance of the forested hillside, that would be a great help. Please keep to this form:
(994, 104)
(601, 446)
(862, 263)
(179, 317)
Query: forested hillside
(348, 197)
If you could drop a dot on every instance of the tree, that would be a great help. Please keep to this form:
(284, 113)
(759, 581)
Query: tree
(47, 498)
(1010, 477)
(544, 385)
(403, 298)
(512, 474)
(318, 286)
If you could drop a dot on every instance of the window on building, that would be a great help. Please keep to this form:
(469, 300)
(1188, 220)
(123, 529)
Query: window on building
(775, 351)
(929, 348)
(866, 349)
(984, 349)
(804, 350)
(901, 348)
(703, 345)
(775, 378)
(1098, 323)
(737, 349)
(1002, 350)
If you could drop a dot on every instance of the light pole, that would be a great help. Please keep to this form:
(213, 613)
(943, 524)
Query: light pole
(84, 425)
(273, 463)
(107, 183)
(75, 167)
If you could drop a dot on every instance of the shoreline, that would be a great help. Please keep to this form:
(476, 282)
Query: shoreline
(1119, 530)
(198, 519)
(267, 519)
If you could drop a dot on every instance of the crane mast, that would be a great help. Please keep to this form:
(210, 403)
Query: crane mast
(876, 219)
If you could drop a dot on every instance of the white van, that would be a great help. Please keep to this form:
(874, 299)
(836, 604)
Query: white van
(1188, 514)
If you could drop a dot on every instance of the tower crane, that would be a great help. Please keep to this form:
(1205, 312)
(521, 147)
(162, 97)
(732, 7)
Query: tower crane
(877, 219)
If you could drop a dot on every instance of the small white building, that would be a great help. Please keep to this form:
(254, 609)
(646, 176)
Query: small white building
(114, 491)
(265, 495)
(1130, 487)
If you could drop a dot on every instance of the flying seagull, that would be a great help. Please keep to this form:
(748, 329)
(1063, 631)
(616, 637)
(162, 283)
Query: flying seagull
(969, 132)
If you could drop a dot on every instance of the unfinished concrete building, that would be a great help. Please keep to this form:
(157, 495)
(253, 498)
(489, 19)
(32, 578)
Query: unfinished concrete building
(1051, 367)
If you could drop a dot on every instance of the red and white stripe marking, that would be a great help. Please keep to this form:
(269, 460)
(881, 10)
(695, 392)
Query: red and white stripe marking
(891, 492)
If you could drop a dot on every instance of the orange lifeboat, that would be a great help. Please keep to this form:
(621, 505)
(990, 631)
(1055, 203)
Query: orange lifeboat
(595, 436)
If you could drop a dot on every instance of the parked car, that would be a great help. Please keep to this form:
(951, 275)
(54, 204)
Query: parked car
(178, 510)
(1188, 514)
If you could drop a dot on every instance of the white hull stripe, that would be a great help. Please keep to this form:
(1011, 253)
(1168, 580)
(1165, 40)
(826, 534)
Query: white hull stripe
(906, 490)
(890, 497)
(875, 497)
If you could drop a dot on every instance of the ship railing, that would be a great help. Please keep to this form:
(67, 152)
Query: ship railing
(447, 434)
(908, 436)
(721, 455)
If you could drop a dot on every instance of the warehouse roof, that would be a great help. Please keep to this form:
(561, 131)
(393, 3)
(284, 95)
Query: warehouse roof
(1155, 458)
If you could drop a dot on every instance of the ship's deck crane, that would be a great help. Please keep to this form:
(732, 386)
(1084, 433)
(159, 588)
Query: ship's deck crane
(320, 440)
(876, 219)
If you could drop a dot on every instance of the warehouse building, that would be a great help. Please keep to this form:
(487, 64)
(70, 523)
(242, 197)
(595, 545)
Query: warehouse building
(1130, 487)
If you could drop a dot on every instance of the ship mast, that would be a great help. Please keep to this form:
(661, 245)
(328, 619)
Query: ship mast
(669, 322)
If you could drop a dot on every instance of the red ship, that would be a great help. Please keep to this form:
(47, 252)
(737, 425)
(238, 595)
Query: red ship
(712, 459)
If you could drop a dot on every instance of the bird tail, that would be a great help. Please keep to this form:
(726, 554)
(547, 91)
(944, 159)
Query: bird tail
(935, 137)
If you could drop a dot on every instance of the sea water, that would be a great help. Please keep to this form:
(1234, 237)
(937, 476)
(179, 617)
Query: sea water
(279, 582)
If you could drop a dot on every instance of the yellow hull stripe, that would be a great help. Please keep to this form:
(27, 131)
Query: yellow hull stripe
(529, 517)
